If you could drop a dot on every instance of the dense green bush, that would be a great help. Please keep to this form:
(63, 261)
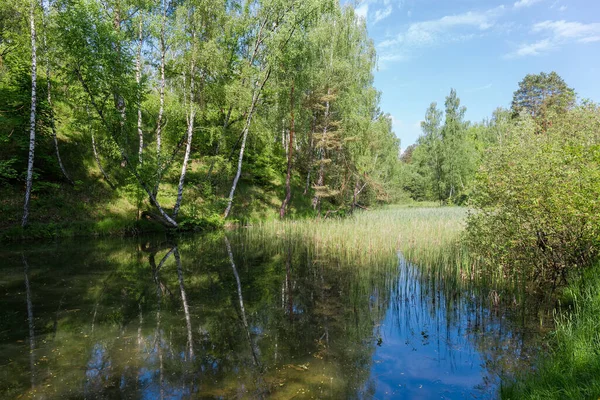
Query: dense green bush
(537, 198)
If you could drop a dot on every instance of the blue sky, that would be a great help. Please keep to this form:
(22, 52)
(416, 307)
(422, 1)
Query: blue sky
(482, 48)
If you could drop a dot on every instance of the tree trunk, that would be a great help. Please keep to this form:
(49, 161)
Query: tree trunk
(97, 158)
(124, 157)
(310, 154)
(190, 133)
(32, 115)
(321, 179)
(138, 79)
(255, 97)
(161, 108)
(288, 177)
(49, 99)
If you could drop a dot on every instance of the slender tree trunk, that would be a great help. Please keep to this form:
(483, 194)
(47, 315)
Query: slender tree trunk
(354, 195)
(186, 309)
(32, 116)
(49, 97)
(188, 147)
(321, 179)
(118, 98)
(288, 177)
(124, 157)
(97, 158)
(255, 97)
(310, 154)
(138, 80)
(161, 108)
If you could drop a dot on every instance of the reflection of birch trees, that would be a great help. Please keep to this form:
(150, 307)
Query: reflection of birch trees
(253, 347)
(30, 321)
(186, 309)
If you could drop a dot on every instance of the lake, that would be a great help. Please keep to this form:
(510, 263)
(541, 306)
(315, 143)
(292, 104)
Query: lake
(223, 316)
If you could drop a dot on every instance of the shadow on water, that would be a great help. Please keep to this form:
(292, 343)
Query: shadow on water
(222, 317)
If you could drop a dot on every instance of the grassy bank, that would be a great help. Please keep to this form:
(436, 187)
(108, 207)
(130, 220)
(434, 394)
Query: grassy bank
(571, 370)
(93, 210)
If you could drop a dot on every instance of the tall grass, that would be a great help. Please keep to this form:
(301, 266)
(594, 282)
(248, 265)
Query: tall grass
(426, 236)
(429, 237)
(571, 370)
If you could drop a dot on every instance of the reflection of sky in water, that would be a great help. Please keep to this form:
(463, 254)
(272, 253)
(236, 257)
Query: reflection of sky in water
(427, 350)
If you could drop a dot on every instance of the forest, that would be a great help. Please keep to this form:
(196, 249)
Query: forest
(260, 122)
(194, 108)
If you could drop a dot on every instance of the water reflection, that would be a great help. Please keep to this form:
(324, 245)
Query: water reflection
(222, 317)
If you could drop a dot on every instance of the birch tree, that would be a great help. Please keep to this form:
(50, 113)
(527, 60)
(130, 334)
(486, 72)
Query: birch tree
(32, 116)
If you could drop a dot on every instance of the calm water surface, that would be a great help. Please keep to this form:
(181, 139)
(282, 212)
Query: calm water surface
(216, 317)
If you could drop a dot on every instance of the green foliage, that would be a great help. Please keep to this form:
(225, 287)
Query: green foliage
(7, 171)
(536, 198)
(542, 96)
(202, 224)
(444, 160)
(103, 61)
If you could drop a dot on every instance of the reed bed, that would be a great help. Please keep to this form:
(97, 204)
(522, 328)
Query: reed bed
(429, 237)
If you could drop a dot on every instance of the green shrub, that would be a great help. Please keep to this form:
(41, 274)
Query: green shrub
(537, 198)
(202, 223)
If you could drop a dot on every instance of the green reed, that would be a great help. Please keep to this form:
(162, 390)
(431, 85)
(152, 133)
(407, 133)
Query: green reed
(429, 237)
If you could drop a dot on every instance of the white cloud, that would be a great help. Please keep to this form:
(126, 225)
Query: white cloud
(569, 30)
(558, 33)
(450, 28)
(532, 49)
(562, 8)
(382, 14)
(526, 3)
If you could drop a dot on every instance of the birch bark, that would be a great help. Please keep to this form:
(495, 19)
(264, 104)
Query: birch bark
(159, 121)
(255, 97)
(138, 79)
(32, 116)
(190, 134)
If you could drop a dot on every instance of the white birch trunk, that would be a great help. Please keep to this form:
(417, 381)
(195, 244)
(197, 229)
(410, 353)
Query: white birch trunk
(190, 134)
(32, 115)
(255, 97)
(133, 171)
(159, 121)
(138, 79)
